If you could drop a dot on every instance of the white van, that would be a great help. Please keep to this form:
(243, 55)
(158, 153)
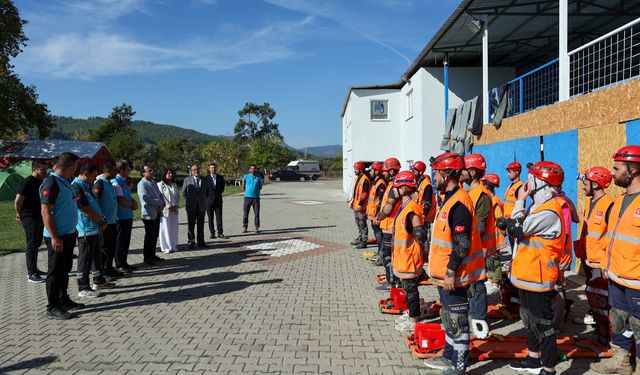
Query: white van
(310, 168)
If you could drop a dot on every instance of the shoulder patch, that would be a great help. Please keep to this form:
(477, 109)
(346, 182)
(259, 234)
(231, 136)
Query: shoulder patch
(458, 229)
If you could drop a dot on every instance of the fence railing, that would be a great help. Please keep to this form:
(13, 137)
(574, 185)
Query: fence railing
(534, 89)
(612, 58)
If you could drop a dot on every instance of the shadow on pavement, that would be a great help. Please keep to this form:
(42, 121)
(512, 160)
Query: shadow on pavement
(29, 364)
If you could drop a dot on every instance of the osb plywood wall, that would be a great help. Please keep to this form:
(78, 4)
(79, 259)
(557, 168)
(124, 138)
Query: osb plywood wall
(615, 104)
(596, 145)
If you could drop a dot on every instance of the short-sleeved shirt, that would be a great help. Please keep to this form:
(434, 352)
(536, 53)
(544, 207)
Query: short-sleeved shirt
(252, 185)
(122, 190)
(30, 190)
(57, 191)
(104, 191)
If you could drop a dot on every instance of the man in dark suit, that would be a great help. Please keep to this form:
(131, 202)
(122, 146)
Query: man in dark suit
(215, 201)
(196, 191)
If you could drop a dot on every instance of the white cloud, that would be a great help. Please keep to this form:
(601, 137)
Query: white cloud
(91, 52)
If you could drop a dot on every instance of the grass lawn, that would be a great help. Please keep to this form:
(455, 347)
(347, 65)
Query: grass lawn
(12, 235)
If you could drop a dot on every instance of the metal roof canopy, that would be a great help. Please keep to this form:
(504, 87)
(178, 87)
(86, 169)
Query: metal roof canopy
(522, 33)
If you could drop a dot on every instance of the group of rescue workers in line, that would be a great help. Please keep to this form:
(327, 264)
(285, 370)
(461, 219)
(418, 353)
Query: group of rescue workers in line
(461, 234)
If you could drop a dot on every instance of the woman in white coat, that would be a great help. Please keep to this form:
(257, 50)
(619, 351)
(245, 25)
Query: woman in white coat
(169, 221)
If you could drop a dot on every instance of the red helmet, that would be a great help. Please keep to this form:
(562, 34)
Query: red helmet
(492, 178)
(628, 153)
(548, 171)
(475, 161)
(358, 165)
(377, 166)
(514, 166)
(448, 160)
(599, 175)
(405, 178)
(419, 166)
(391, 163)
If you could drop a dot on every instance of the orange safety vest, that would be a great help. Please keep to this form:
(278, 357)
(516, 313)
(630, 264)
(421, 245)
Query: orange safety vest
(386, 224)
(489, 237)
(472, 267)
(623, 252)
(595, 230)
(359, 193)
(565, 259)
(408, 257)
(501, 240)
(536, 260)
(374, 200)
(510, 198)
(422, 200)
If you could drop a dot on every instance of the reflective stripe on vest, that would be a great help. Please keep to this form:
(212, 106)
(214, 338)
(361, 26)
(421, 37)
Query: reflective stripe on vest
(386, 224)
(373, 207)
(359, 190)
(501, 240)
(473, 265)
(597, 239)
(422, 200)
(623, 253)
(510, 198)
(407, 258)
(490, 237)
(535, 265)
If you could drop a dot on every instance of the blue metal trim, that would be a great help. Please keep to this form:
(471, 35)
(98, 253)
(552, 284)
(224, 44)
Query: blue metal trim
(535, 70)
(446, 92)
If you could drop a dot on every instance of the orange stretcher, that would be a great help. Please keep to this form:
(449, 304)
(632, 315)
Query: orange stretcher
(428, 341)
(396, 303)
(497, 311)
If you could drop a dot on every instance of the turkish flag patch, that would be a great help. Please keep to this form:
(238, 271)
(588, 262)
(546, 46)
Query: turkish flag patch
(637, 213)
(45, 193)
(444, 216)
(96, 190)
(599, 214)
(458, 229)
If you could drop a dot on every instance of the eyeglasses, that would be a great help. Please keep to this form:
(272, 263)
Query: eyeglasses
(195, 169)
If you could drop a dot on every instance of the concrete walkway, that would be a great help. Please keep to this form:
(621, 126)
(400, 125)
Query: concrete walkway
(295, 298)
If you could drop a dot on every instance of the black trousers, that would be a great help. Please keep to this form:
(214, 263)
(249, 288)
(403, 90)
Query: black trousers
(151, 233)
(539, 305)
(108, 240)
(246, 206)
(195, 218)
(215, 209)
(33, 228)
(123, 240)
(60, 264)
(410, 287)
(88, 252)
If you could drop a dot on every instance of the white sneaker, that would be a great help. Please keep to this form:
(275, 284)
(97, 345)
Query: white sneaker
(166, 251)
(491, 287)
(402, 317)
(406, 326)
(89, 293)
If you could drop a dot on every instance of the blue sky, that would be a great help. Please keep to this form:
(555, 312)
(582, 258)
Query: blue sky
(194, 63)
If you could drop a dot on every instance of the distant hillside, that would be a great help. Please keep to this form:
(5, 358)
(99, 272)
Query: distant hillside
(319, 151)
(67, 127)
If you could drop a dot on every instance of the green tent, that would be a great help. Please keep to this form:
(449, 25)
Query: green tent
(22, 168)
(9, 183)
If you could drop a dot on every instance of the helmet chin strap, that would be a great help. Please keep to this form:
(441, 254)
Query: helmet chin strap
(630, 176)
(536, 188)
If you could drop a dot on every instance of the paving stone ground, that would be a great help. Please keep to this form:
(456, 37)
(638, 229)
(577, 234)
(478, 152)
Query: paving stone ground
(295, 298)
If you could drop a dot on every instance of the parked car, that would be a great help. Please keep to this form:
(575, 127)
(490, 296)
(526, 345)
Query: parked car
(288, 175)
(310, 168)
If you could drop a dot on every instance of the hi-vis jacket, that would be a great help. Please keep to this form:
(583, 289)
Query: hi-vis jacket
(536, 258)
(360, 193)
(510, 198)
(408, 255)
(497, 209)
(386, 224)
(473, 265)
(375, 200)
(422, 199)
(623, 254)
(594, 232)
(489, 238)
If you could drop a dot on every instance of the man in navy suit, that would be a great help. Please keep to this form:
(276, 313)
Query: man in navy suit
(196, 191)
(214, 207)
